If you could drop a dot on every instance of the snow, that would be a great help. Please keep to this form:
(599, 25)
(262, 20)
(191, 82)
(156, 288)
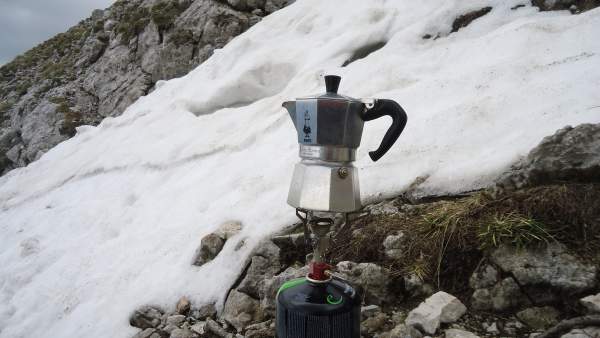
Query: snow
(110, 219)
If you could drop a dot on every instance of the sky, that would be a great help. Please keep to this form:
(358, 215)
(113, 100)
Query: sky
(26, 23)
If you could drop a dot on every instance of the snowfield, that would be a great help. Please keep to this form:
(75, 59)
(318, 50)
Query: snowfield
(110, 219)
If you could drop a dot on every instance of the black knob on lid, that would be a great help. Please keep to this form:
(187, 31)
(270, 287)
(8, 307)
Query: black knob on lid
(332, 82)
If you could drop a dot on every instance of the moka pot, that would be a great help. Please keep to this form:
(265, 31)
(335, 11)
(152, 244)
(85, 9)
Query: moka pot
(329, 128)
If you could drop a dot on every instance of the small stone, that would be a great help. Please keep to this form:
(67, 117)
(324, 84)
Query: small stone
(484, 277)
(539, 318)
(416, 287)
(183, 306)
(175, 320)
(373, 324)
(147, 333)
(228, 229)
(395, 246)
(182, 333)
(205, 311)
(240, 310)
(210, 246)
(369, 311)
(439, 308)
(216, 329)
(402, 331)
(199, 328)
(591, 303)
(146, 317)
(456, 333)
(491, 328)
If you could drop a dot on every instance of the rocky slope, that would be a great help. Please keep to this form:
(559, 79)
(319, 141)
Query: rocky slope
(521, 260)
(103, 64)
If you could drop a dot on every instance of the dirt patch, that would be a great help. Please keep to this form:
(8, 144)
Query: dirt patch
(466, 19)
(364, 51)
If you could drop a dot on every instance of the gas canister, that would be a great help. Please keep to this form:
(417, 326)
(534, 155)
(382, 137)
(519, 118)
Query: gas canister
(312, 309)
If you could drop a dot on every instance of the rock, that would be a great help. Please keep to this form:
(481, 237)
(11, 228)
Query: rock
(369, 311)
(439, 308)
(269, 289)
(456, 333)
(175, 320)
(210, 246)
(241, 310)
(373, 324)
(205, 311)
(183, 333)
(591, 303)
(395, 246)
(183, 306)
(485, 276)
(216, 329)
(260, 330)
(199, 328)
(402, 331)
(588, 332)
(148, 333)
(512, 327)
(146, 317)
(503, 296)
(373, 279)
(571, 154)
(491, 328)
(546, 272)
(383, 208)
(263, 265)
(416, 287)
(539, 318)
(228, 229)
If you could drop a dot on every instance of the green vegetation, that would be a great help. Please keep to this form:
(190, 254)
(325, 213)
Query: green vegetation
(132, 23)
(514, 229)
(22, 87)
(446, 239)
(71, 119)
(164, 13)
(181, 37)
(5, 106)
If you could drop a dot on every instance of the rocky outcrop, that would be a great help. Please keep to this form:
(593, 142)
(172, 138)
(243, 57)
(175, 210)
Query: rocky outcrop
(106, 62)
(571, 154)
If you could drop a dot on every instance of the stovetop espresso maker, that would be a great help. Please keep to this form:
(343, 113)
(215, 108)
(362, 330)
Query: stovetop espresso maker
(324, 191)
(329, 128)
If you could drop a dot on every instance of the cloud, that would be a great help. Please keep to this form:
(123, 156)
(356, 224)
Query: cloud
(26, 23)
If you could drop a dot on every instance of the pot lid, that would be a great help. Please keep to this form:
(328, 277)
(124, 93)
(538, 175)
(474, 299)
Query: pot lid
(332, 83)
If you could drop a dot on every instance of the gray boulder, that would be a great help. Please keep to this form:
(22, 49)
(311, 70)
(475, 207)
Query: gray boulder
(591, 303)
(588, 332)
(241, 310)
(148, 333)
(146, 317)
(571, 154)
(439, 308)
(504, 295)
(546, 272)
(212, 244)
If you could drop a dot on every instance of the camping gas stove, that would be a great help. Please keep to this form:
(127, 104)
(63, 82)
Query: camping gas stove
(324, 191)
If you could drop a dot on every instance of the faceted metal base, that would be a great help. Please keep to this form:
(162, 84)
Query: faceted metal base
(325, 186)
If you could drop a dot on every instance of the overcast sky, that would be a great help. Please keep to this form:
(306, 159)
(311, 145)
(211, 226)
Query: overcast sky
(25, 23)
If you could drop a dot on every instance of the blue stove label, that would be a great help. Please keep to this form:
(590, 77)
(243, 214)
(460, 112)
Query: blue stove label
(306, 121)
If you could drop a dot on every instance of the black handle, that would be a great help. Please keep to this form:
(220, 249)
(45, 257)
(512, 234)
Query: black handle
(391, 108)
